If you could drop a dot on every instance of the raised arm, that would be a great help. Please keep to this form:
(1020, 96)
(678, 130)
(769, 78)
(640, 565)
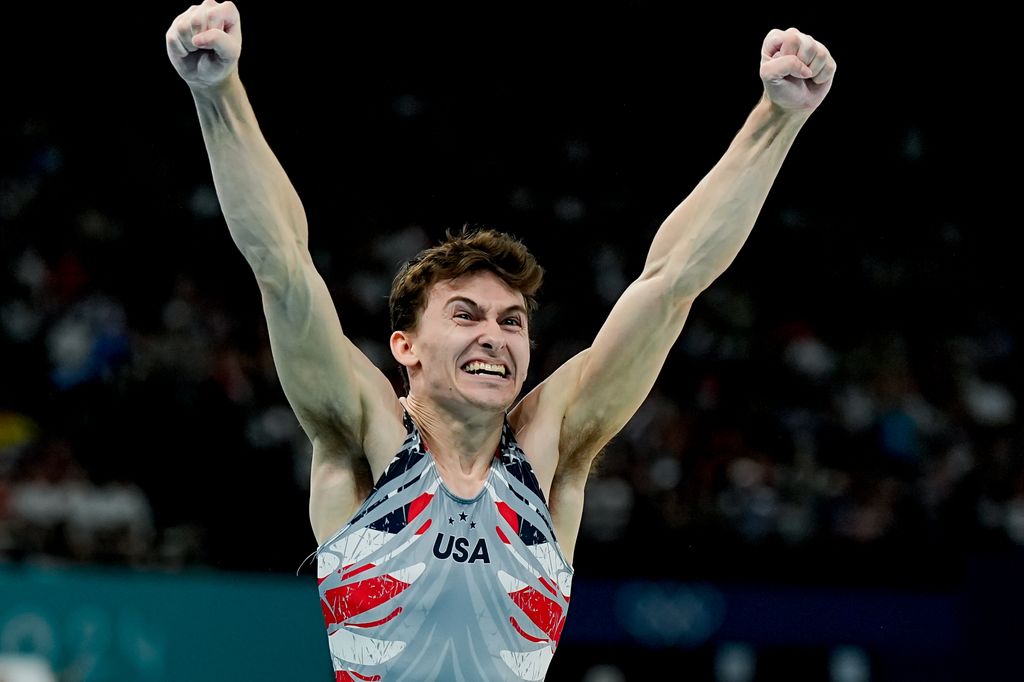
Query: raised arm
(337, 394)
(605, 385)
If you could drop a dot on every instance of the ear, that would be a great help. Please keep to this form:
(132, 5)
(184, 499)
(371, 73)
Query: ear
(401, 348)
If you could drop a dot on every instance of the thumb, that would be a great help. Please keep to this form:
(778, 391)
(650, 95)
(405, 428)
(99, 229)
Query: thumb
(781, 66)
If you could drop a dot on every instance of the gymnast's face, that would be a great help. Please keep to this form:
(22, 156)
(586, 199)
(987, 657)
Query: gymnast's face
(471, 345)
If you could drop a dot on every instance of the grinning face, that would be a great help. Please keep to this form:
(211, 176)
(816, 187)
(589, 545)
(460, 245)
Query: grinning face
(471, 347)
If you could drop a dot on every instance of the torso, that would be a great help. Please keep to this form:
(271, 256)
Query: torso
(396, 580)
(337, 492)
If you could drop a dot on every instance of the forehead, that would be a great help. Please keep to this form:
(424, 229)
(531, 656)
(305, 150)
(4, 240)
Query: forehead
(484, 288)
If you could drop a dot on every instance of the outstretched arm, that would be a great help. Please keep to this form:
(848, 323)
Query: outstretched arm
(339, 397)
(605, 385)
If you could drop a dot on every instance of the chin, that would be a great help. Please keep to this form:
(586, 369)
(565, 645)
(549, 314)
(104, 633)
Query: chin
(492, 403)
(490, 400)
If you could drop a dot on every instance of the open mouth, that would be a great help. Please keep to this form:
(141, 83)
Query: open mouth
(485, 369)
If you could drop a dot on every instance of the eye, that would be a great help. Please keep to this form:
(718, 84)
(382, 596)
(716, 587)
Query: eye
(513, 321)
(462, 315)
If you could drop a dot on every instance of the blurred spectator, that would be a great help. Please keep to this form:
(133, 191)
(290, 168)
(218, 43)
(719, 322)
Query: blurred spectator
(55, 511)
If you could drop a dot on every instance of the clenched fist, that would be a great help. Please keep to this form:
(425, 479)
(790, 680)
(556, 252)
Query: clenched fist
(796, 70)
(204, 43)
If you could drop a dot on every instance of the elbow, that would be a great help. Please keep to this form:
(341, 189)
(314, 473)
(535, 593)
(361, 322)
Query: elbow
(685, 288)
(275, 266)
(676, 285)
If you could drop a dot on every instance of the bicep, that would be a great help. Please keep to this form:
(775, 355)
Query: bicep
(330, 384)
(621, 366)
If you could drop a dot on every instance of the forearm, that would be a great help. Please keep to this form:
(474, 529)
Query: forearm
(703, 235)
(261, 207)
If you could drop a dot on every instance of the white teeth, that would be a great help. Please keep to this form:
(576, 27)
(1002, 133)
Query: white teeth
(483, 366)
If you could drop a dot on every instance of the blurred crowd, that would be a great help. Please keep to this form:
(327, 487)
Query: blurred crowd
(141, 421)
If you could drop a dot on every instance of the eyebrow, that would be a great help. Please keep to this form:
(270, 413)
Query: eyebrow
(462, 299)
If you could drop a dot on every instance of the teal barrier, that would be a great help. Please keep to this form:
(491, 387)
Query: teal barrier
(96, 625)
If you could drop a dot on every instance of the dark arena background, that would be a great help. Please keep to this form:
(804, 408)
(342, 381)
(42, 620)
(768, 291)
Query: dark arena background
(826, 483)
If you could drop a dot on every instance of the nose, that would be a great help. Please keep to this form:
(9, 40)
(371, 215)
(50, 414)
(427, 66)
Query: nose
(491, 344)
(491, 338)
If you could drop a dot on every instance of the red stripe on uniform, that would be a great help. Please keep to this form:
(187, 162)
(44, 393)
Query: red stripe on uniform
(502, 535)
(523, 632)
(348, 601)
(545, 613)
(418, 505)
(510, 515)
(357, 571)
(376, 622)
(353, 676)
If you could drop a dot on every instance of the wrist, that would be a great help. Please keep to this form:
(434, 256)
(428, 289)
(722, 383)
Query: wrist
(225, 88)
(778, 117)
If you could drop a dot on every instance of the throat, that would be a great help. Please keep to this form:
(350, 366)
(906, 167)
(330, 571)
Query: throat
(462, 447)
(463, 474)
(463, 487)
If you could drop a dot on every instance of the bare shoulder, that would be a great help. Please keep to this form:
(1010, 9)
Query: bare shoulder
(538, 420)
(385, 433)
(343, 473)
(539, 423)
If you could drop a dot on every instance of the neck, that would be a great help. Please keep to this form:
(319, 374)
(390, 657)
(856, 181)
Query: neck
(462, 445)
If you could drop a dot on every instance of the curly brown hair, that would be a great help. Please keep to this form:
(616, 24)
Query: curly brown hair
(470, 250)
